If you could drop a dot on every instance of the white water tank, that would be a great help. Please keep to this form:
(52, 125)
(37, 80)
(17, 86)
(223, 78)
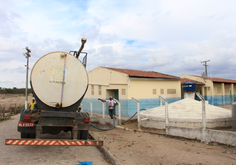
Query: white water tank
(58, 78)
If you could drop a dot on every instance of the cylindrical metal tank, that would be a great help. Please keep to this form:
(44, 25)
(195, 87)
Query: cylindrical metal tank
(189, 86)
(59, 81)
(234, 116)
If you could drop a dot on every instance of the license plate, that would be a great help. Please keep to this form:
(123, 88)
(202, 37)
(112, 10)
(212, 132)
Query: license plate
(23, 124)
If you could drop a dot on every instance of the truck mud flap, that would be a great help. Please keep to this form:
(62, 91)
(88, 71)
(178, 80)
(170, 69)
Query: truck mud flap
(48, 142)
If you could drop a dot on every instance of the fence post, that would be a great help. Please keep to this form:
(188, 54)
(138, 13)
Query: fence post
(3, 112)
(0, 111)
(91, 107)
(166, 114)
(119, 111)
(138, 111)
(103, 109)
(10, 109)
(203, 116)
(15, 109)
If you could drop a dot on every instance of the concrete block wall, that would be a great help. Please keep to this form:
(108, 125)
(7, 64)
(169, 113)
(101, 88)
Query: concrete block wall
(128, 106)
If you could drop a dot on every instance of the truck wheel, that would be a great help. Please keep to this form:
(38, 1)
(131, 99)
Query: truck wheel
(71, 135)
(84, 135)
(78, 135)
(33, 136)
(24, 135)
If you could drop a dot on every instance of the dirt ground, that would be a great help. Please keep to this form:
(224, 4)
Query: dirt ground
(11, 99)
(133, 147)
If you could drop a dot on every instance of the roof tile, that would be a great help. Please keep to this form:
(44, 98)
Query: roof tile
(220, 80)
(144, 74)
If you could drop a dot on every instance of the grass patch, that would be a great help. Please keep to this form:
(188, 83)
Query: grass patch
(5, 118)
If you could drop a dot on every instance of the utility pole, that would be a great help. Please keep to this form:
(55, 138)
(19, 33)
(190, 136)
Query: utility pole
(27, 55)
(205, 66)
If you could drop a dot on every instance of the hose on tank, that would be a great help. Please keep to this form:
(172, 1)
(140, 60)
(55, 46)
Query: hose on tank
(114, 119)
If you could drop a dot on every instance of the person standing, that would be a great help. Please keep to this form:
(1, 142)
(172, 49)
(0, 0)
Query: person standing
(31, 106)
(111, 105)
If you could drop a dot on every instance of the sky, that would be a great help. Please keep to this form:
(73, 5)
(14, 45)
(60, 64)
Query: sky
(167, 36)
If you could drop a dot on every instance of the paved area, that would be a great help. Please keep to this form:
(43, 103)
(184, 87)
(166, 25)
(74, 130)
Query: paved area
(43, 154)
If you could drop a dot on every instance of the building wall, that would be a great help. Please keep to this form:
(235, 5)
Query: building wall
(153, 88)
(199, 79)
(147, 91)
(104, 83)
(223, 96)
(105, 91)
(215, 93)
(103, 76)
(206, 90)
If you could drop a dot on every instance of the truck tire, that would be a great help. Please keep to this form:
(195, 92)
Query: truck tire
(32, 136)
(24, 135)
(78, 135)
(84, 135)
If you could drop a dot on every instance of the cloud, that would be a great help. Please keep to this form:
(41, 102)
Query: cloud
(19, 69)
(171, 37)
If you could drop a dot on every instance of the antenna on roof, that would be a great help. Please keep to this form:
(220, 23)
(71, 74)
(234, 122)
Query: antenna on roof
(205, 74)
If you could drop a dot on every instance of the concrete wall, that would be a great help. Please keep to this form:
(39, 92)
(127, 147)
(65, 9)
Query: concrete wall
(186, 132)
(224, 137)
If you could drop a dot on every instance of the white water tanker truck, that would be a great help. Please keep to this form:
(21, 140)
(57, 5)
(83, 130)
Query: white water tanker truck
(59, 82)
